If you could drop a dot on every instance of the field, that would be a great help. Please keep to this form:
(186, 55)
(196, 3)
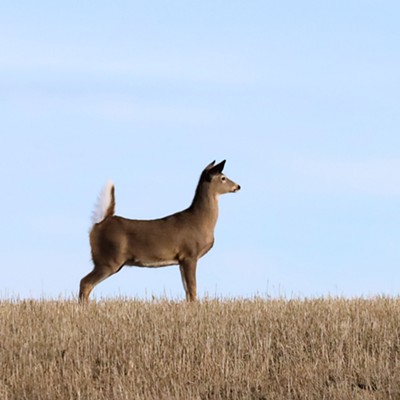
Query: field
(215, 349)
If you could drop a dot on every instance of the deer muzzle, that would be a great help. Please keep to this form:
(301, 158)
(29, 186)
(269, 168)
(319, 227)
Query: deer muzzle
(236, 188)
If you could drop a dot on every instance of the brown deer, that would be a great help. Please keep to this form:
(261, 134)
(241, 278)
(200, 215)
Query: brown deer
(178, 239)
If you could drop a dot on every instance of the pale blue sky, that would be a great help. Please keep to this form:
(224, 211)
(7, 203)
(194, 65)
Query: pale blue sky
(301, 98)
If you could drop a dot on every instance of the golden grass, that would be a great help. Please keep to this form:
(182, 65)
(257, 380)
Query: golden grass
(215, 349)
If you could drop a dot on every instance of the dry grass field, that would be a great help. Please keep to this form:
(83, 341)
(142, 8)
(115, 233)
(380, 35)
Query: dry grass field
(215, 349)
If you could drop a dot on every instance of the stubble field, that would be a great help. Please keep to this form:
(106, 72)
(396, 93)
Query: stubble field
(215, 349)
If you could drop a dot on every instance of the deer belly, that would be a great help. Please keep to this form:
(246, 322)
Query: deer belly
(151, 263)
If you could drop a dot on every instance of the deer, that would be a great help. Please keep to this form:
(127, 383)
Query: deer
(178, 239)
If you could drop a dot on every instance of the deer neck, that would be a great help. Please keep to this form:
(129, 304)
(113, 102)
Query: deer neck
(205, 206)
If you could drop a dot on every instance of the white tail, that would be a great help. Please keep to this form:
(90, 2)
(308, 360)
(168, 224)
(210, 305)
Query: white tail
(104, 203)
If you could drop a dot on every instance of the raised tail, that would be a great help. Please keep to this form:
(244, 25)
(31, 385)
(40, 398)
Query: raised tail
(105, 206)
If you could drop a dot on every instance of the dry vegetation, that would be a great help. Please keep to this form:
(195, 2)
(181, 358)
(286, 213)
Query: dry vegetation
(231, 349)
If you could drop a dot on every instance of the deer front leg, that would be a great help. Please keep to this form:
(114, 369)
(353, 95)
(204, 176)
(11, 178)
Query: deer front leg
(188, 272)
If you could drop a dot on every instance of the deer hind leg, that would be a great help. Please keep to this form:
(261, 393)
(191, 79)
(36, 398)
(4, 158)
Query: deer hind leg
(188, 273)
(92, 279)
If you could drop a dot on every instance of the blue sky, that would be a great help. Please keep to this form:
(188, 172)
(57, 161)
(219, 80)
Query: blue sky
(301, 98)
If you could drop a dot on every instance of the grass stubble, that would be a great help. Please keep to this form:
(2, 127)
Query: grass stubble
(214, 349)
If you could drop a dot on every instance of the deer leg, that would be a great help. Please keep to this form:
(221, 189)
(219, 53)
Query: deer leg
(184, 282)
(92, 279)
(188, 272)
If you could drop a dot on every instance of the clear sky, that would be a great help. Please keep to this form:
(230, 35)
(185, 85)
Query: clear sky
(301, 98)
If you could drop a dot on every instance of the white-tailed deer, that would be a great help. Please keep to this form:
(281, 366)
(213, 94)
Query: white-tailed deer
(178, 239)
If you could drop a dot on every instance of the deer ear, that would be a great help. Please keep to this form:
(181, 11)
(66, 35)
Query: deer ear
(209, 166)
(217, 169)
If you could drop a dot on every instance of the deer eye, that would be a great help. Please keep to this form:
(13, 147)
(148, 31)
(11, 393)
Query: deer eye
(223, 179)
